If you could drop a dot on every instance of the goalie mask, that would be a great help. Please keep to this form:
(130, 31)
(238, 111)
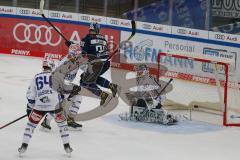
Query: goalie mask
(48, 63)
(142, 70)
(74, 52)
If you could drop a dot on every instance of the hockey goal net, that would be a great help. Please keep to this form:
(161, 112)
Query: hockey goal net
(207, 89)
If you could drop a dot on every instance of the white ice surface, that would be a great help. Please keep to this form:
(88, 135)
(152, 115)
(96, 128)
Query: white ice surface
(105, 138)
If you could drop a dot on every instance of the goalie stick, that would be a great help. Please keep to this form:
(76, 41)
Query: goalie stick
(14, 121)
(133, 23)
(165, 86)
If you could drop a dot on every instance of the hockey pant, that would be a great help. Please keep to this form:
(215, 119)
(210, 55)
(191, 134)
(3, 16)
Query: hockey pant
(36, 116)
(92, 77)
(59, 85)
(72, 110)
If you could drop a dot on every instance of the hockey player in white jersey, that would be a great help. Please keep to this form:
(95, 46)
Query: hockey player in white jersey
(42, 99)
(63, 77)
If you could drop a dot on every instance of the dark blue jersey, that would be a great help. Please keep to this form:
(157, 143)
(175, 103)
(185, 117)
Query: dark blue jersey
(95, 46)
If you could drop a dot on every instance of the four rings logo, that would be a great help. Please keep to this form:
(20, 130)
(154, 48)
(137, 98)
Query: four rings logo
(54, 14)
(114, 21)
(220, 36)
(24, 11)
(35, 34)
(147, 26)
(182, 31)
(85, 18)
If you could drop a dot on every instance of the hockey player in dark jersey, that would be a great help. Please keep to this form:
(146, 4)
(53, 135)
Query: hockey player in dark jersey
(95, 47)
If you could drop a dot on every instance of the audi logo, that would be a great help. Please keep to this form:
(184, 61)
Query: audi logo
(113, 21)
(147, 26)
(182, 31)
(55, 14)
(219, 36)
(35, 34)
(85, 18)
(24, 11)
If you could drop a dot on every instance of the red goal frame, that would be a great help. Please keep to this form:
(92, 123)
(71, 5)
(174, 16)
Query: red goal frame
(225, 84)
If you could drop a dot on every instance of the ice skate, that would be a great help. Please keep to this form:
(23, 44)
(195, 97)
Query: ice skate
(22, 149)
(105, 99)
(72, 125)
(68, 149)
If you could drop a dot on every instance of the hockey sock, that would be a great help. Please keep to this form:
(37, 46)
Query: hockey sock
(76, 101)
(28, 132)
(63, 128)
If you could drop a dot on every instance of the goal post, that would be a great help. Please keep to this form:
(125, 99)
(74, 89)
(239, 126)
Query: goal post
(220, 87)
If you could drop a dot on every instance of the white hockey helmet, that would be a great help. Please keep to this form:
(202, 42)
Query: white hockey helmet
(48, 63)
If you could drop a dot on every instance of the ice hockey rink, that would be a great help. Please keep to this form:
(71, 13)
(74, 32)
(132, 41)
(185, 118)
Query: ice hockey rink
(104, 138)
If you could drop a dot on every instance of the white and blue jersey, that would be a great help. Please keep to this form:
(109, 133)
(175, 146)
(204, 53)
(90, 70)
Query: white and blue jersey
(40, 94)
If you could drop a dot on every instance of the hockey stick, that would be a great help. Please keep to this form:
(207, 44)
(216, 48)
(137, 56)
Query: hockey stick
(49, 22)
(133, 23)
(14, 121)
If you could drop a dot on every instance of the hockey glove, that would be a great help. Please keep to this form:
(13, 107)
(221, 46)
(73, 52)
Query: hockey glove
(68, 43)
(74, 92)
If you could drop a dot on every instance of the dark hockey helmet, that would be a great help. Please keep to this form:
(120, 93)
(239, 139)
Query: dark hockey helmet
(95, 27)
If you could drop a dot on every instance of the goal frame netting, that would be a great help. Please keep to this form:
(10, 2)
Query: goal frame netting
(223, 83)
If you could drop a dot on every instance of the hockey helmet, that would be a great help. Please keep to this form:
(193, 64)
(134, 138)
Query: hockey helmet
(94, 27)
(48, 63)
(74, 52)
